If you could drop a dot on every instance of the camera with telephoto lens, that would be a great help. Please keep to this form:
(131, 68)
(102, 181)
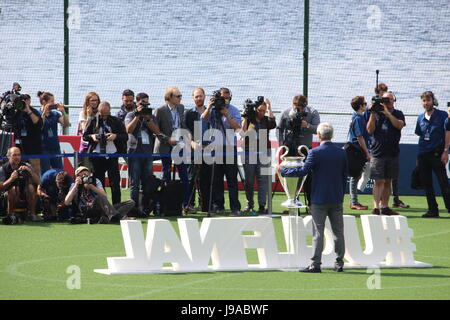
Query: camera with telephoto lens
(295, 120)
(14, 218)
(145, 111)
(376, 103)
(23, 175)
(219, 102)
(250, 107)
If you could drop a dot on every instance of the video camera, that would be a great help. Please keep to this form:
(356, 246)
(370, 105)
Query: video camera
(377, 100)
(11, 101)
(219, 102)
(250, 107)
(146, 110)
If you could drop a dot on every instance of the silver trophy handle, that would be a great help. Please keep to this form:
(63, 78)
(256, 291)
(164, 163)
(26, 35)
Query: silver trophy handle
(303, 151)
(281, 157)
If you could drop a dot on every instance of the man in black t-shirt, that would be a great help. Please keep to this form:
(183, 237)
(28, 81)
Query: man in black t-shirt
(385, 127)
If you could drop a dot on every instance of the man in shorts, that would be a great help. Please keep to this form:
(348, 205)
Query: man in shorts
(385, 127)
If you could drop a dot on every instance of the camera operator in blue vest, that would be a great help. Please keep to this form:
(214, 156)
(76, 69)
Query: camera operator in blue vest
(433, 128)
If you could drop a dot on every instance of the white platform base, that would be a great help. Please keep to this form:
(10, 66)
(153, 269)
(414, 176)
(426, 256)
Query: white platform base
(417, 264)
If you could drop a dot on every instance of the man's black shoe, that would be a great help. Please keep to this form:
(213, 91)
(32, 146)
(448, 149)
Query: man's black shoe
(248, 208)
(338, 268)
(262, 210)
(430, 215)
(311, 269)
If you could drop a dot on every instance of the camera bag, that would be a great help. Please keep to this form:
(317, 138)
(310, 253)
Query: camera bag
(355, 159)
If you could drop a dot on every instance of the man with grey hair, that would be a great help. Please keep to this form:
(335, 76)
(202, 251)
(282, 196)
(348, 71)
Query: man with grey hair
(328, 166)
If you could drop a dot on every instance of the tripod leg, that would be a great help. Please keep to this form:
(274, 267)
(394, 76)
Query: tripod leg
(211, 188)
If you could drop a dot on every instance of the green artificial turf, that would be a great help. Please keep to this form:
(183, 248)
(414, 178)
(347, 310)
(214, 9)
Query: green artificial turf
(35, 258)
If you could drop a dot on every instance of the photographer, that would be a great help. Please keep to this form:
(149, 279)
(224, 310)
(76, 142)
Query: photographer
(385, 125)
(52, 113)
(141, 125)
(106, 134)
(296, 127)
(19, 180)
(55, 184)
(359, 136)
(90, 200)
(223, 116)
(256, 120)
(24, 121)
(434, 131)
(199, 172)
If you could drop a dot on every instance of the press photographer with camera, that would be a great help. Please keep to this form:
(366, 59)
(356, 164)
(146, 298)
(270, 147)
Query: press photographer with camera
(17, 116)
(52, 190)
(255, 120)
(199, 171)
(384, 125)
(91, 202)
(52, 113)
(296, 127)
(141, 126)
(19, 181)
(106, 134)
(223, 116)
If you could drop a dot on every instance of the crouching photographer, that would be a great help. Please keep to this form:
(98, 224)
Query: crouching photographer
(256, 123)
(90, 201)
(18, 180)
(55, 184)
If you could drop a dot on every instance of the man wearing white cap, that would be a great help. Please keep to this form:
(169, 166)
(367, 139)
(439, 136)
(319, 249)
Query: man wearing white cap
(91, 200)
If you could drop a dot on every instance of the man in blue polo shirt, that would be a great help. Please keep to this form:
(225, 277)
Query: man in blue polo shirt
(432, 127)
(358, 135)
(385, 127)
(230, 120)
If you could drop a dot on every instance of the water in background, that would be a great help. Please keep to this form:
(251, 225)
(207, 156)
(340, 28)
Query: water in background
(254, 47)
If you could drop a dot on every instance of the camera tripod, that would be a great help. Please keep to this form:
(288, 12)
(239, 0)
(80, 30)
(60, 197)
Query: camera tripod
(218, 119)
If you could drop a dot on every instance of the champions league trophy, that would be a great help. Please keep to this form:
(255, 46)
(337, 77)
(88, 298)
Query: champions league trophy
(290, 183)
(292, 189)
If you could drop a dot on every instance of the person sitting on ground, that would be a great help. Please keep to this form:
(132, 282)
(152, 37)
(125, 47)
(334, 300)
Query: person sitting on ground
(91, 200)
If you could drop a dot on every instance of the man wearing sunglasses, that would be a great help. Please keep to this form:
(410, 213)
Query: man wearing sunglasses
(169, 118)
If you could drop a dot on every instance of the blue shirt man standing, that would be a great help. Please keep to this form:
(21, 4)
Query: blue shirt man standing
(433, 129)
(359, 136)
(328, 166)
(228, 118)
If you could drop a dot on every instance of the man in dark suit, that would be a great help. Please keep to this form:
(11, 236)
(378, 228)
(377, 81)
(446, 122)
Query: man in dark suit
(328, 166)
(169, 117)
(106, 134)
